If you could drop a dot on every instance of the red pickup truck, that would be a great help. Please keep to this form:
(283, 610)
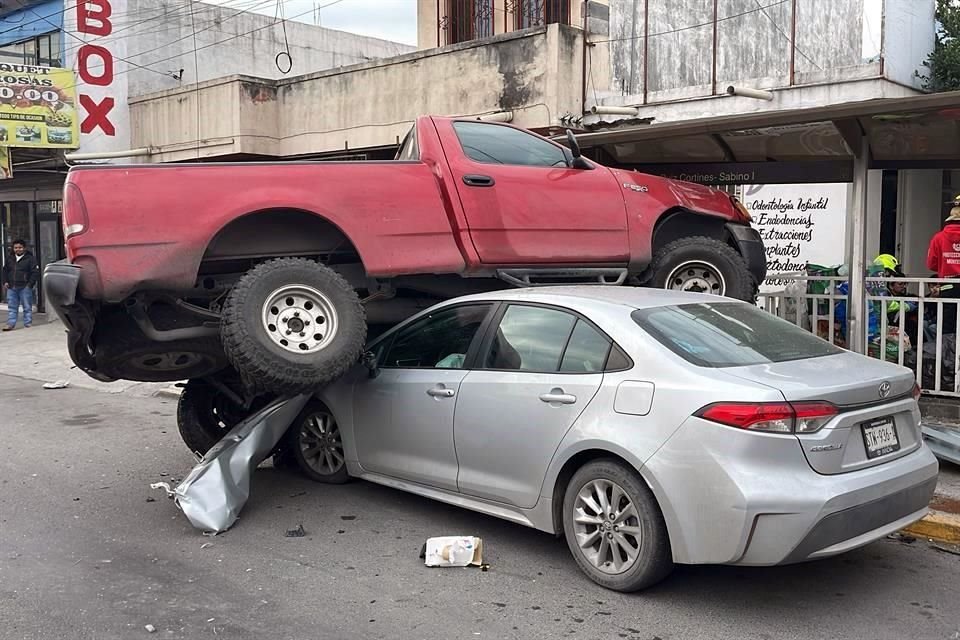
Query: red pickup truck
(275, 270)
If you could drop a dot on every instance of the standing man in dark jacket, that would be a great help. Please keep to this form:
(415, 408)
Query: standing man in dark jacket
(20, 276)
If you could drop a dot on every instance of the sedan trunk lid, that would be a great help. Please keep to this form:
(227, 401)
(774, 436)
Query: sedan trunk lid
(878, 418)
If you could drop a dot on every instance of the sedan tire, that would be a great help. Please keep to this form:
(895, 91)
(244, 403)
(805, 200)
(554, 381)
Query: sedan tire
(315, 445)
(614, 527)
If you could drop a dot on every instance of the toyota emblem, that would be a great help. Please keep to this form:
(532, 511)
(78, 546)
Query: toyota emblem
(884, 389)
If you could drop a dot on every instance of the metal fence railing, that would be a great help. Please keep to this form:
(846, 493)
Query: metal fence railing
(810, 302)
(909, 321)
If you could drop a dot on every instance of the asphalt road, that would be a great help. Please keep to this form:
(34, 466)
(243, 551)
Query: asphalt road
(84, 554)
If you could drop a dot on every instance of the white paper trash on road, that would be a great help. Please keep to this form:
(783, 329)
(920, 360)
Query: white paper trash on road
(454, 551)
(214, 492)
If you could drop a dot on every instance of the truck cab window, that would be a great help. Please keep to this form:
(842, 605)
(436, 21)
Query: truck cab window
(409, 150)
(498, 144)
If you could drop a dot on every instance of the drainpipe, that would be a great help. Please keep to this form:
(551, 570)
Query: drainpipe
(793, 43)
(583, 75)
(604, 110)
(109, 155)
(499, 116)
(750, 93)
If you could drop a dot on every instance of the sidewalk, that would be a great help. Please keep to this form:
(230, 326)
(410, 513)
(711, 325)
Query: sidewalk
(40, 353)
(943, 522)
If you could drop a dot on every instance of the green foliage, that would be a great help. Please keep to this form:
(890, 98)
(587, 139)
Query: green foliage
(944, 63)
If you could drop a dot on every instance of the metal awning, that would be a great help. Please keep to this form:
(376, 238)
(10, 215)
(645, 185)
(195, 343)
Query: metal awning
(914, 132)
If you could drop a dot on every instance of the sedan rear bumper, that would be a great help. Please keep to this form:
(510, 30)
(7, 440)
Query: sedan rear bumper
(765, 505)
(854, 527)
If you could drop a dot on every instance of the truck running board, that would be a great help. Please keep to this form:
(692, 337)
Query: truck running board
(547, 277)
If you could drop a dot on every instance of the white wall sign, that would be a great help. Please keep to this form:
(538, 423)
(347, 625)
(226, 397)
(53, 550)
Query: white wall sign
(799, 223)
(94, 48)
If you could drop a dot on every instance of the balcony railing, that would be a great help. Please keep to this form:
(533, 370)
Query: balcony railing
(536, 13)
(464, 20)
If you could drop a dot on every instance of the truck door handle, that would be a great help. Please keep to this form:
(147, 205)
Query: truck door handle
(474, 180)
(441, 392)
(558, 397)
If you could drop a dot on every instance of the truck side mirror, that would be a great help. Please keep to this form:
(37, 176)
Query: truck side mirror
(369, 360)
(578, 161)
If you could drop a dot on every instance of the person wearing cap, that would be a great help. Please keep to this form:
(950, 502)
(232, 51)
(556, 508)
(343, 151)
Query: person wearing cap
(943, 258)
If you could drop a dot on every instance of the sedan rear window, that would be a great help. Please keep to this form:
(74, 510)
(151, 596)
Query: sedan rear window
(729, 334)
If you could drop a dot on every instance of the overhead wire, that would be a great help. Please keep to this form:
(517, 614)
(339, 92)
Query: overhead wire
(196, 72)
(208, 46)
(286, 43)
(134, 64)
(166, 16)
(694, 26)
(789, 39)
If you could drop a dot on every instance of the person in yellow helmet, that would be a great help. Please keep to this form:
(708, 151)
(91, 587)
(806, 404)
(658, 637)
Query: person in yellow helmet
(888, 266)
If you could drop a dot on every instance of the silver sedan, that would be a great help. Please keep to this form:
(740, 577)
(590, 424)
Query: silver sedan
(647, 427)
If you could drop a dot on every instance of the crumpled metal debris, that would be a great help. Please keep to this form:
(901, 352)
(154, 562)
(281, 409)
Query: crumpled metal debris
(944, 441)
(214, 492)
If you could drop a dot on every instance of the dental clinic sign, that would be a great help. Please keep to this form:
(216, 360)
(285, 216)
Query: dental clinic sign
(93, 49)
(799, 223)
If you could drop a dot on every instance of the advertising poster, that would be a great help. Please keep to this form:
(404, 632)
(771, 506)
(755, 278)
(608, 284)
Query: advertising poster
(799, 224)
(6, 164)
(38, 107)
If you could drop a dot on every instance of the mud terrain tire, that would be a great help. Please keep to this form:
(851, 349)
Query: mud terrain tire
(292, 325)
(704, 264)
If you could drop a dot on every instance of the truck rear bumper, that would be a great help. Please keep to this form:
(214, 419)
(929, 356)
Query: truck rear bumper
(61, 281)
(751, 248)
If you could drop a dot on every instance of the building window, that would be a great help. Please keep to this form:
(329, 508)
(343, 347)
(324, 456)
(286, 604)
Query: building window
(466, 20)
(536, 13)
(42, 51)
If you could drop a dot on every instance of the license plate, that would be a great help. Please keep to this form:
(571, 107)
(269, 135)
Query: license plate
(880, 437)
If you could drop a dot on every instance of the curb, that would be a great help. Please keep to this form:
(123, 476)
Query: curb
(937, 525)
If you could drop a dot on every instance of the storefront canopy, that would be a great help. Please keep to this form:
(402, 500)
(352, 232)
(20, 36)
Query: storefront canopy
(915, 132)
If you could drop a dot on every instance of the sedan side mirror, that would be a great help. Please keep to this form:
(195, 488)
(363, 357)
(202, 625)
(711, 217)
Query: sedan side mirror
(579, 162)
(369, 360)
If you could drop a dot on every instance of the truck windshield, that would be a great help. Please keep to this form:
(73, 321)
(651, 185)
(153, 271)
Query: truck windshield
(409, 150)
(729, 334)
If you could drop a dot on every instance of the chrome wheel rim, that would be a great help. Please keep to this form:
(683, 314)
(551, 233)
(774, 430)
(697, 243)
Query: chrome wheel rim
(607, 527)
(320, 443)
(299, 319)
(697, 277)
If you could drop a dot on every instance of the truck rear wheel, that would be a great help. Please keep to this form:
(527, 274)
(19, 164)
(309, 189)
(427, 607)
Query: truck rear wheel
(205, 415)
(702, 265)
(291, 325)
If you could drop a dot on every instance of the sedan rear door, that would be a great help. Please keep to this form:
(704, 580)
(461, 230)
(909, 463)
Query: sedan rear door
(538, 370)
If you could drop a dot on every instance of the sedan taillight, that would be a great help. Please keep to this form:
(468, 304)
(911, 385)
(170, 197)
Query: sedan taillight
(771, 417)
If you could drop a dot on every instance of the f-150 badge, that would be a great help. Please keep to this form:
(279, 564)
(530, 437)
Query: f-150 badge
(635, 187)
